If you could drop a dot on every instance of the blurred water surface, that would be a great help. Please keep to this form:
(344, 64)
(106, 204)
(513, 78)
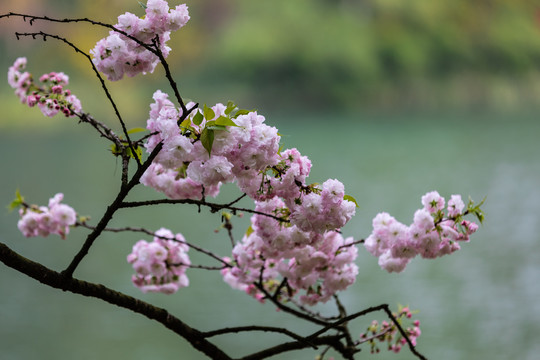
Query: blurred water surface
(481, 302)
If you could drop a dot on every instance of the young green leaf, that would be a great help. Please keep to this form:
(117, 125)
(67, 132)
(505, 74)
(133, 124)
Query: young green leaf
(208, 113)
(207, 139)
(225, 121)
(230, 107)
(350, 198)
(18, 201)
(242, 112)
(198, 118)
(136, 130)
(249, 231)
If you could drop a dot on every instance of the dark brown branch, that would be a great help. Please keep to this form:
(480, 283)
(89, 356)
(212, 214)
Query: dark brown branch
(111, 209)
(213, 207)
(57, 280)
(168, 75)
(361, 241)
(343, 327)
(33, 18)
(100, 127)
(347, 319)
(116, 204)
(259, 328)
(290, 310)
(333, 341)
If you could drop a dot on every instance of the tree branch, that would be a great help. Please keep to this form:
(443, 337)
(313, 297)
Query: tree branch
(148, 232)
(333, 341)
(213, 206)
(260, 328)
(96, 72)
(57, 280)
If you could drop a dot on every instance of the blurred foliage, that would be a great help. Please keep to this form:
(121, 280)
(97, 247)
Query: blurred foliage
(318, 53)
(343, 50)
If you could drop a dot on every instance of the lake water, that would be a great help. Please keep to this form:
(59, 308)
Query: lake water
(482, 302)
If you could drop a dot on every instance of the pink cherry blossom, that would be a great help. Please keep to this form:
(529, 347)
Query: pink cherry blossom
(160, 265)
(56, 218)
(51, 97)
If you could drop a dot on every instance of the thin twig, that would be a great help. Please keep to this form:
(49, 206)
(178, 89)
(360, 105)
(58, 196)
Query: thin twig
(213, 206)
(153, 234)
(290, 310)
(168, 74)
(403, 333)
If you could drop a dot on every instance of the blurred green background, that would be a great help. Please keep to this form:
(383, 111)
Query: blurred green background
(393, 98)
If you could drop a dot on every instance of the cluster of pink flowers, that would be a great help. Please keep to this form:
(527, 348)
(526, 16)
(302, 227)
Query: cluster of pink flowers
(387, 332)
(303, 245)
(160, 265)
(185, 169)
(245, 153)
(320, 264)
(118, 55)
(432, 233)
(51, 98)
(56, 218)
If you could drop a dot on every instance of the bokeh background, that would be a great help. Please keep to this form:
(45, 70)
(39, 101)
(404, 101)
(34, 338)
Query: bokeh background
(393, 98)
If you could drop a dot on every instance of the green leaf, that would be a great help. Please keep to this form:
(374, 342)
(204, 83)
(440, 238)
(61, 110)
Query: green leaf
(350, 198)
(136, 130)
(230, 107)
(208, 113)
(143, 5)
(242, 112)
(198, 118)
(207, 139)
(225, 121)
(479, 213)
(249, 231)
(212, 125)
(185, 124)
(18, 201)
(216, 127)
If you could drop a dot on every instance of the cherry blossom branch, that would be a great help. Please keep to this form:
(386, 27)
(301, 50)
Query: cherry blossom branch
(155, 49)
(96, 72)
(115, 205)
(412, 348)
(375, 336)
(59, 281)
(195, 337)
